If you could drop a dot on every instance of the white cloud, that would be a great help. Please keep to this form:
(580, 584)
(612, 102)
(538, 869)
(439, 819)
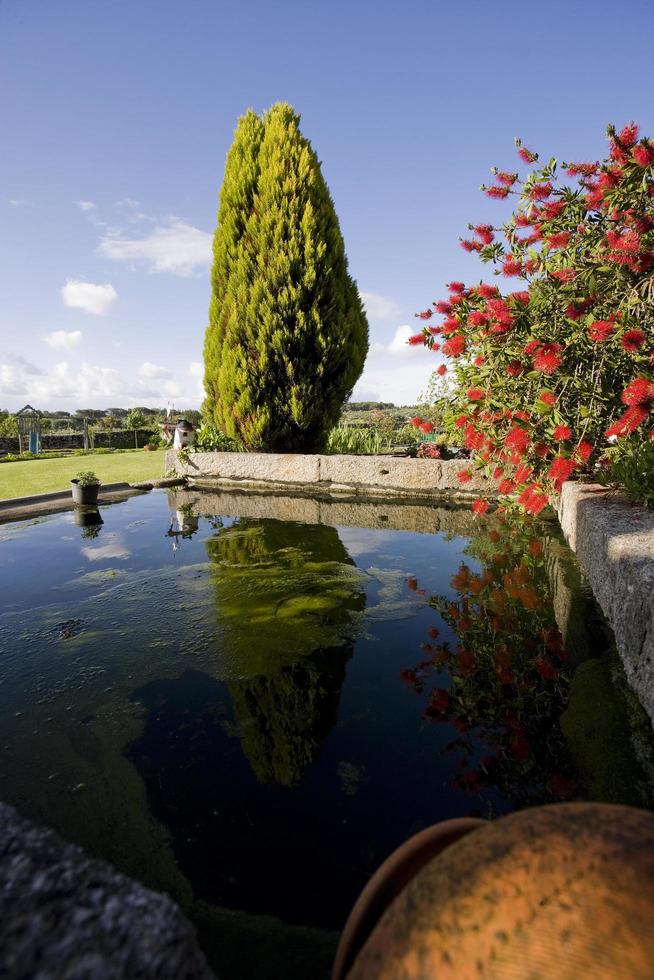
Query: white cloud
(63, 339)
(85, 205)
(396, 371)
(379, 307)
(178, 248)
(90, 296)
(127, 202)
(399, 345)
(150, 370)
(67, 386)
(15, 202)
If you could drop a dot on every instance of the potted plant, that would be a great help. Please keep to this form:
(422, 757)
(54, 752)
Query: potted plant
(85, 488)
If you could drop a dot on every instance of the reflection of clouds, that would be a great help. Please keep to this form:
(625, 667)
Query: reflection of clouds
(363, 541)
(113, 548)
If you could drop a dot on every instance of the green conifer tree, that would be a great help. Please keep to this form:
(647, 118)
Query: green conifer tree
(287, 335)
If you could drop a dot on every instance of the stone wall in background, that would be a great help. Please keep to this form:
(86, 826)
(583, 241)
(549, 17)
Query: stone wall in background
(118, 439)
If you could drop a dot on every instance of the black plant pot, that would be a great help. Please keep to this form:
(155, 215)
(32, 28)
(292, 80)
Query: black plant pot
(84, 495)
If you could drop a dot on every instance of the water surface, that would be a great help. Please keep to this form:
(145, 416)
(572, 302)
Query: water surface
(251, 712)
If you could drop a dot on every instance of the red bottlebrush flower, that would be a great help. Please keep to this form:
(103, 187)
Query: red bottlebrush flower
(476, 394)
(464, 476)
(640, 391)
(415, 339)
(627, 241)
(480, 506)
(456, 287)
(532, 346)
(523, 473)
(427, 427)
(485, 233)
(632, 340)
(643, 154)
(582, 169)
(497, 192)
(562, 433)
(470, 246)
(629, 422)
(425, 315)
(564, 275)
(532, 265)
(415, 421)
(498, 472)
(547, 359)
(552, 209)
(473, 438)
(539, 192)
(454, 347)
(559, 239)
(521, 296)
(439, 705)
(506, 486)
(514, 369)
(601, 330)
(511, 266)
(547, 398)
(542, 450)
(629, 134)
(561, 469)
(527, 156)
(449, 325)
(477, 319)
(479, 361)
(442, 370)
(443, 307)
(584, 450)
(461, 421)
(517, 439)
(486, 291)
(458, 298)
(504, 177)
(499, 310)
(523, 220)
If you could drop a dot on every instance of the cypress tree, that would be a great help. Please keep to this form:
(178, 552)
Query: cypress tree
(287, 335)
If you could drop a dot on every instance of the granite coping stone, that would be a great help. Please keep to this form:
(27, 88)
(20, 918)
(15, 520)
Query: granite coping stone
(66, 916)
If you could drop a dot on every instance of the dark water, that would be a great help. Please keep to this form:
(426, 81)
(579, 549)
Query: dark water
(252, 713)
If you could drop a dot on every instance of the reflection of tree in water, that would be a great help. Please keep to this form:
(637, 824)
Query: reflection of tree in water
(287, 600)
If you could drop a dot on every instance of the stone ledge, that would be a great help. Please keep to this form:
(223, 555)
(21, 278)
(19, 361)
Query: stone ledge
(614, 542)
(338, 474)
(63, 914)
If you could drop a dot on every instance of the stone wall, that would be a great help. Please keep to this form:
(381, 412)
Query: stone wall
(376, 475)
(63, 914)
(614, 542)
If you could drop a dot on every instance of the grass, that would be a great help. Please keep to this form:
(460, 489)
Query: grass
(43, 475)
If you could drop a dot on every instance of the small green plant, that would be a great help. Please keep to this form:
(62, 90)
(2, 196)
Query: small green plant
(87, 478)
(210, 439)
(349, 441)
(633, 472)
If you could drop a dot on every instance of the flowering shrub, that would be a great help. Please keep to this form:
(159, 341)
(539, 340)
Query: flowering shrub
(546, 374)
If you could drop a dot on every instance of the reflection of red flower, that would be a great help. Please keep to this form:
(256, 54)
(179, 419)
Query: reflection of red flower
(545, 668)
(412, 583)
(560, 786)
(520, 747)
(480, 506)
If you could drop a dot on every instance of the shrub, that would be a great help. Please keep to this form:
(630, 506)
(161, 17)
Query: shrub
(546, 374)
(287, 335)
(209, 438)
(349, 441)
(633, 470)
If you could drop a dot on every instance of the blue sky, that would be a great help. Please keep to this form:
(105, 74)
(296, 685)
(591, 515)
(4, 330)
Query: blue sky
(116, 118)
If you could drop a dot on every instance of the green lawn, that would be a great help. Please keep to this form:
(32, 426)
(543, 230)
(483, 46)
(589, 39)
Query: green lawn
(42, 475)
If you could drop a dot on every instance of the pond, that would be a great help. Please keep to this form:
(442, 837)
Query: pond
(250, 701)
